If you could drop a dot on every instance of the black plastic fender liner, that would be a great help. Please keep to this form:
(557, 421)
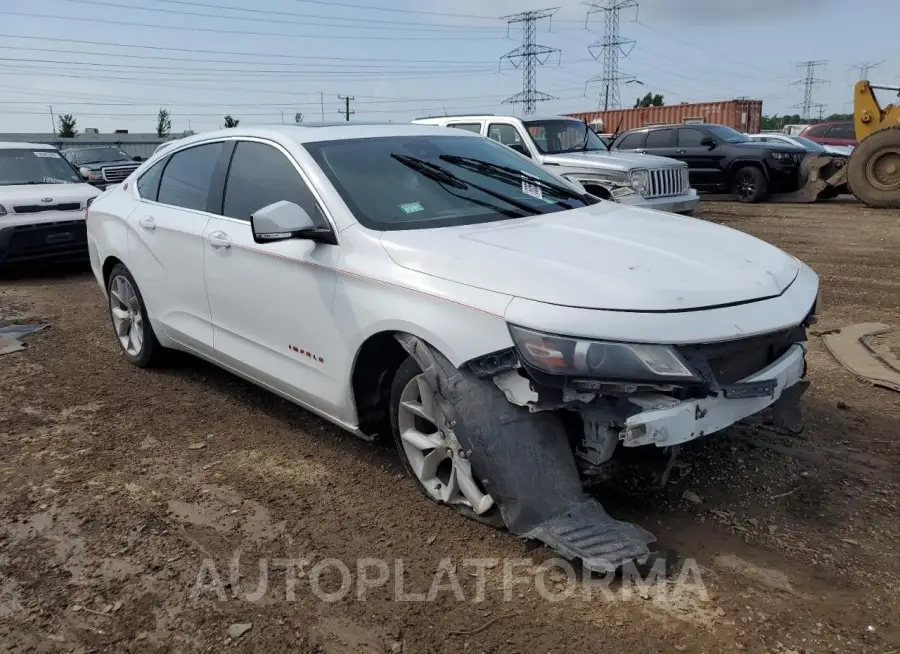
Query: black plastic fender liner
(525, 462)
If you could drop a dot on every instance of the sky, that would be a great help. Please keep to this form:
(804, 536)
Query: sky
(113, 64)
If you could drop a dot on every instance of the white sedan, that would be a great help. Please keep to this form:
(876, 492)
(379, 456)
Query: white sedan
(508, 330)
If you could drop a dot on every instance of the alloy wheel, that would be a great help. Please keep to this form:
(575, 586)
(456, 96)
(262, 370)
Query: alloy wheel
(746, 185)
(433, 452)
(128, 320)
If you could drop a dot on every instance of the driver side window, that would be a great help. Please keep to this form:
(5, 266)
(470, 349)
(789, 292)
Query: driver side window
(508, 136)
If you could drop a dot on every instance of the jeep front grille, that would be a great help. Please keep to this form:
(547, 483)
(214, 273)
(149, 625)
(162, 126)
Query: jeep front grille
(666, 181)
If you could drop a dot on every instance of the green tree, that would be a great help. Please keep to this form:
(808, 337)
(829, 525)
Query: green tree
(650, 100)
(231, 122)
(66, 127)
(298, 117)
(163, 123)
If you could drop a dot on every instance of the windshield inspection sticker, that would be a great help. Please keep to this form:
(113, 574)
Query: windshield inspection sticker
(530, 188)
(47, 154)
(412, 207)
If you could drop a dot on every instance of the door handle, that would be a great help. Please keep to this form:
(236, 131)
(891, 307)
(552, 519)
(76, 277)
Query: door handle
(147, 223)
(219, 240)
(680, 151)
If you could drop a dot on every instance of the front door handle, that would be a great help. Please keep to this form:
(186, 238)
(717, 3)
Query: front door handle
(680, 151)
(147, 223)
(219, 240)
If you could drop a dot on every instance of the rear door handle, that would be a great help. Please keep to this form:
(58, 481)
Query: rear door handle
(680, 151)
(219, 240)
(147, 223)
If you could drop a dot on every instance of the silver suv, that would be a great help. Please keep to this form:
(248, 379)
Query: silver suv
(569, 148)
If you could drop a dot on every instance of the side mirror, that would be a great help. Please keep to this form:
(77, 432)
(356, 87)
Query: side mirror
(520, 148)
(84, 172)
(285, 220)
(708, 142)
(137, 158)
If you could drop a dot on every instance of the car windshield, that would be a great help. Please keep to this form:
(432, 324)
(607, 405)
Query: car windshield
(98, 155)
(420, 182)
(727, 134)
(561, 135)
(29, 166)
(806, 144)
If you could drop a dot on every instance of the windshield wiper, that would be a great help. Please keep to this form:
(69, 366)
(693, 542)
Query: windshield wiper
(445, 177)
(20, 183)
(510, 175)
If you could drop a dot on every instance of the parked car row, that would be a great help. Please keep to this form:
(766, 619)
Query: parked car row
(507, 329)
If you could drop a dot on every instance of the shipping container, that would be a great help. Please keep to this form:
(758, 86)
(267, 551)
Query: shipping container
(742, 115)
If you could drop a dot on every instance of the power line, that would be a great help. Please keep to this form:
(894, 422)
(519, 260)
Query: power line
(346, 111)
(529, 55)
(611, 47)
(105, 21)
(809, 84)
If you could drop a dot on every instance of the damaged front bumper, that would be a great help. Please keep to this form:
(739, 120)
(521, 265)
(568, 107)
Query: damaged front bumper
(667, 421)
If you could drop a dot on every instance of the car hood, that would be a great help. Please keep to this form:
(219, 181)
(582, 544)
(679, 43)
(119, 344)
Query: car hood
(623, 161)
(118, 163)
(604, 256)
(27, 194)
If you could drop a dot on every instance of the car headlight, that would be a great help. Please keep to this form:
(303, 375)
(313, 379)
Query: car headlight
(782, 156)
(640, 181)
(565, 355)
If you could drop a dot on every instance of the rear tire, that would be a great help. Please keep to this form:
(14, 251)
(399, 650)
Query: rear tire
(873, 173)
(130, 320)
(749, 184)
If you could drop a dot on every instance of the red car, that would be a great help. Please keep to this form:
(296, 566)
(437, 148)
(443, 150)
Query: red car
(840, 133)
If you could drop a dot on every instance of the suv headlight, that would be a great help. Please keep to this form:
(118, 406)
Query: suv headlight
(640, 181)
(565, 355)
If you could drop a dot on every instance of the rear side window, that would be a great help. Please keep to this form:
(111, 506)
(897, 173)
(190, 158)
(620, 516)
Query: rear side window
(469, 127)
(261, 175)
(661, 138)
(148, 183)
(842, 132)
(818, 130)
(633, 141)
(186, 179)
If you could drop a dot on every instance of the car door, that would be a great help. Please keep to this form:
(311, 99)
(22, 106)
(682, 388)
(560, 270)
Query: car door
(661, 142)
(705, 164)
(165, 242)
(271, 303)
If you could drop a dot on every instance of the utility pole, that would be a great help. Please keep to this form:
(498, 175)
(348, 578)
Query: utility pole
(322, 104)
(529, 56)
(346, 111)
(864, 69)
(809, 83)
(52, 121)
(611, 47)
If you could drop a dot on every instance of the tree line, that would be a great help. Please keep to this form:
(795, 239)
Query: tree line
(66, 124)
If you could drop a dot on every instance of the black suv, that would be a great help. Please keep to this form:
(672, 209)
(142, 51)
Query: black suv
(721, 159)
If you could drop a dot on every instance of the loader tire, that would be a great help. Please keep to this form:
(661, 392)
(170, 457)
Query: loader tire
(749, 184)
(874, 169)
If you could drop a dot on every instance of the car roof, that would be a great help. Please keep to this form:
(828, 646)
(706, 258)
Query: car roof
(78, 148)
(21, 145)
(310, 134)
(527, 119)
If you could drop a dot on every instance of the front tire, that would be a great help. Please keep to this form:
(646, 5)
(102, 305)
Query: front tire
(429, 450)
(873, 173)
(749, 185)
(129, 318)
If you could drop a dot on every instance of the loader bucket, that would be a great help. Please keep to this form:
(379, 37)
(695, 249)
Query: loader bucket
(821, 177)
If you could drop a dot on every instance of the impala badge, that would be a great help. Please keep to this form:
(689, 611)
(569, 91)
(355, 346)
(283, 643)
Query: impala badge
(46, 199)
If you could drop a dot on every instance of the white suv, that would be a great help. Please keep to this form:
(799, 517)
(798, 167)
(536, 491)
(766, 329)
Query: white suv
(570, 148)
(42, 204)
(509, 330)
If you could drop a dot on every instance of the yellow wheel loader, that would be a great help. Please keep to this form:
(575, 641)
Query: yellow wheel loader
(872, 173)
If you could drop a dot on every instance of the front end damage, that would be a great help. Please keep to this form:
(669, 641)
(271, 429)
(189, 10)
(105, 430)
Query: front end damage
(536, 438)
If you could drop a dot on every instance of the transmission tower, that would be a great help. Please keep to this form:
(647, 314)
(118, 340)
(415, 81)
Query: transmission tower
(809, 83)
(529, 56)
(865, 67)
(611, 47)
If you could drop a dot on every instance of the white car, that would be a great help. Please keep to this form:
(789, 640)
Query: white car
(507, 329)
(42, 204)
(805, 143)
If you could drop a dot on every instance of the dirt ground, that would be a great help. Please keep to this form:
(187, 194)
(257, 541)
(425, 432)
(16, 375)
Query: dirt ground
(121, 489)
